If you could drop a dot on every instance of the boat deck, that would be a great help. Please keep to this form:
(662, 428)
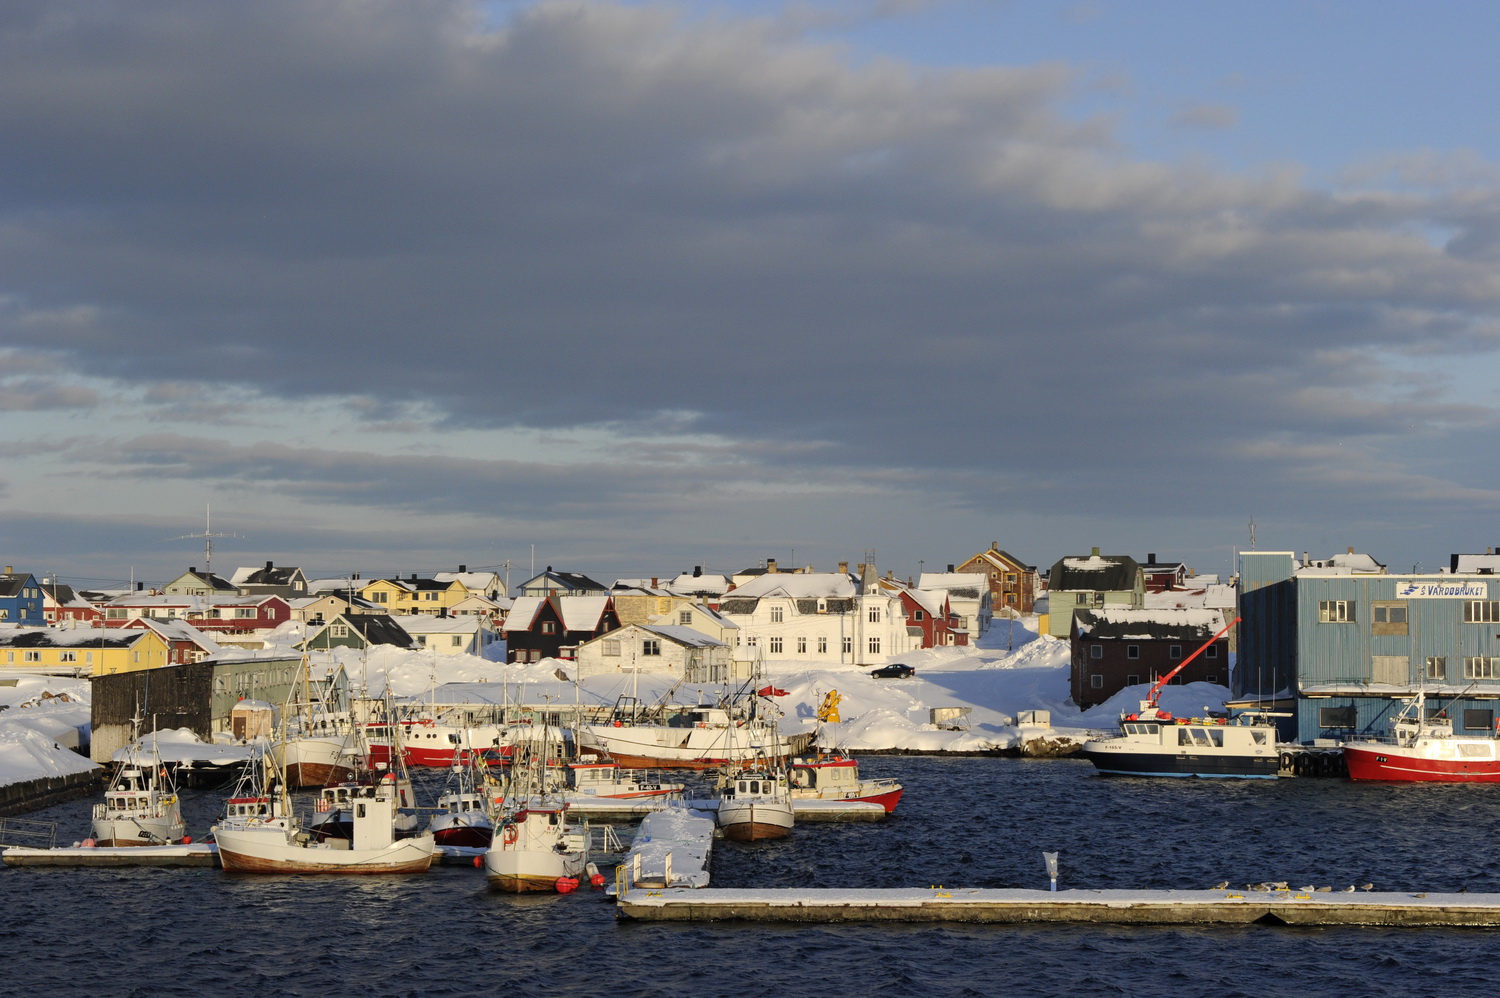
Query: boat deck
(941, 904)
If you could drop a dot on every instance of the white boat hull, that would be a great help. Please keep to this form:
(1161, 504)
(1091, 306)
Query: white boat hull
(754, 820)
(272, 849)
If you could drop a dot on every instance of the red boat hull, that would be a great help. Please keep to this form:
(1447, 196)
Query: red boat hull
(1386, 762)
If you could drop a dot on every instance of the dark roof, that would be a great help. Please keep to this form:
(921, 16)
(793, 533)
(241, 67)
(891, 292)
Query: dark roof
(276, 575)
(832, 605)
(42, 637)
(11, 585)
(215, 581)
(738, 606)
(59, 592)
(378, 629)
(1110, 573)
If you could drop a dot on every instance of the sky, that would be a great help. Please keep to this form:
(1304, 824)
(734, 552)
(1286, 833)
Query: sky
(623, 288)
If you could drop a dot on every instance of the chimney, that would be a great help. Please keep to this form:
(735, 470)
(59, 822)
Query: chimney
(1351, 549)
(269, 566)
(843, 568)
(950, 569)
(10, 569)
(1151, 558)
(771, 566)
(697, 571)
(462, 569)
(192, 569)
(653, 582)
(414, 576)
(139, 586)
(1096, 552)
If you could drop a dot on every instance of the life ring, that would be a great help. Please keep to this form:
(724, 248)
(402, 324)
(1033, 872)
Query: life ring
(511, 834)
(1286, 762)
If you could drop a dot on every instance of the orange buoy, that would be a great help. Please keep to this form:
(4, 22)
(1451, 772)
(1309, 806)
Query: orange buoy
(478, 862)
(596, 881)
(566, 885)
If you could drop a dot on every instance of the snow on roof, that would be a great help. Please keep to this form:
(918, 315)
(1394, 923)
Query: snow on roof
(952, 580)
(581, 613)
(477, 581)
(427, 623)
(811, 585)
(523, 612)
(17, 636)
(1148, 624)
(683, 635)
(929, 600)
(688, 584)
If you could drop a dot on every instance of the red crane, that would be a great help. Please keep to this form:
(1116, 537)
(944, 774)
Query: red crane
(1149, 710)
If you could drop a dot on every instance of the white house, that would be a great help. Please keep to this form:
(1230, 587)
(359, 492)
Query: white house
(819, 617)
(663, 648)
(465, 635)
(969, 596)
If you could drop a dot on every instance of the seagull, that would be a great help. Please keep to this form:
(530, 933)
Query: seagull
(1367, 887)
(1279, 885)
(1324, 890)
(1221, 886)
(1348, 890)
(1306, 890)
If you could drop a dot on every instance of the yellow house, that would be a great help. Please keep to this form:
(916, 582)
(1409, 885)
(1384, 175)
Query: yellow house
(95, 650)
(414, 595)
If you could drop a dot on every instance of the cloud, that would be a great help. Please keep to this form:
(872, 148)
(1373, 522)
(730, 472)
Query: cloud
(1214, 116)
(745, 260)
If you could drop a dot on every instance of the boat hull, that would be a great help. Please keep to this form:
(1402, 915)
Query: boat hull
(138, 831)
(526, 871)
(659, 747)
(270, 851)
(1125, 763)
(1393, 763)
(755, 822)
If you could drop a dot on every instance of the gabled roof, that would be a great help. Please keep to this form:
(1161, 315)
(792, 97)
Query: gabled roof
(581, 613)
(688, 584)
(1096, 573)
(428, 623)
(12, 584)
(523, 613)
(566, 580)
(808, 585)
(1475, 564)
(12, 636)
(685, 636)
(265, 575)
(1003, 560)
(209, 579)
(376, 628)
(177, 630)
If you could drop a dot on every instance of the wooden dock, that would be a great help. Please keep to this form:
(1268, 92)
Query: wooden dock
(961, 904)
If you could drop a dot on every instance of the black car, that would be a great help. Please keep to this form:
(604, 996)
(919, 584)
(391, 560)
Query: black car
(893, 671)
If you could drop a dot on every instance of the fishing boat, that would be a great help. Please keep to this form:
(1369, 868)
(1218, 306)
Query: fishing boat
(141, 806)
(1423, 748)
(691, 737)
(275, 842)
(463, 808)
(537, 848)
(756, 804)
(593, 777)
(317, 743)
(1152, 742)
(834, 776)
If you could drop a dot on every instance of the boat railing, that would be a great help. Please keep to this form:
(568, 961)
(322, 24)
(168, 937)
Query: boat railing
(28, 832)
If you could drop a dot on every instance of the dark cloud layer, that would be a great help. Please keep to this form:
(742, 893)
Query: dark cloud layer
(598, 214)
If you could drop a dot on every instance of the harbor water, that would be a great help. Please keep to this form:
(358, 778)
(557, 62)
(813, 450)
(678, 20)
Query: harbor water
(964, 822)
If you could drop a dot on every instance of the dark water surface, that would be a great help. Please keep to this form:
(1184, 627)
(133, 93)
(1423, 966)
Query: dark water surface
(962, 823)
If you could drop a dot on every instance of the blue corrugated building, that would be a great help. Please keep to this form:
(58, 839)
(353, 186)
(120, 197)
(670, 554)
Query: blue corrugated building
(1341, 642)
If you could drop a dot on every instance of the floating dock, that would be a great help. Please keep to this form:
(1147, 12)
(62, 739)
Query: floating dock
(941, 904)
(671, 850)
(805, 809)
(194, 854)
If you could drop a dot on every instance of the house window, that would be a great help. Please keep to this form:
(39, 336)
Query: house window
(1132, 680)
(458, 640)
(1096, 651)
(874, 614)
(1010, 598)
(1098, 599)
(1336, 611)
(1437, 667)
(549, 627)
(1482, 611)
(775, 614)
(610, 647)
(1479, 720)
(1479, 667)
(801, 646)
(33, 656)
(685, 617)
(874, 646)
(1010, 578)
(822, 646)
(750, 641)
(1389, 613)
(1212, 651)
(650, 646)
(1096, 681)
(244, 613)
(338, 630)
(379, 597)
(919, 615)
(1336, 717)
(1174, 652)
(430, 596)
(775, 646)
(67, 656)
(848, 646)
(1132, 651)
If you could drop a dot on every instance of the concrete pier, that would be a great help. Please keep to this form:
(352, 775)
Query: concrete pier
(942, 904)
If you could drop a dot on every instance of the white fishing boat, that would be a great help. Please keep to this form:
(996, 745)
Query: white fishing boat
(463, 808)
(690, 737)
(594, 777)
(141, 806)
(318, 741)
(276, 842)
(537, 849)
(756, 804)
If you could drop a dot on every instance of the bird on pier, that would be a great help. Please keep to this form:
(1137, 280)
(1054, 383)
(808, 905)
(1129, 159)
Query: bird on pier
(1221, 886)
(1367, 887)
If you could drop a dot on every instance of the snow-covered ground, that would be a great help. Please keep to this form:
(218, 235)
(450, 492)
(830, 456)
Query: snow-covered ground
(1005, 675)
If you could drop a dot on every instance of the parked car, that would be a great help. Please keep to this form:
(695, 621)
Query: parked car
(893, 671)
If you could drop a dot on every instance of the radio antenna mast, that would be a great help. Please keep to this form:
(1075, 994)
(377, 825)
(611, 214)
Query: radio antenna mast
(208, 535)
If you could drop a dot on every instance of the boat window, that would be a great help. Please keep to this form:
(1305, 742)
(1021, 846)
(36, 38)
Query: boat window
(359, 810)
(1184, 736)
(1258, 737)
